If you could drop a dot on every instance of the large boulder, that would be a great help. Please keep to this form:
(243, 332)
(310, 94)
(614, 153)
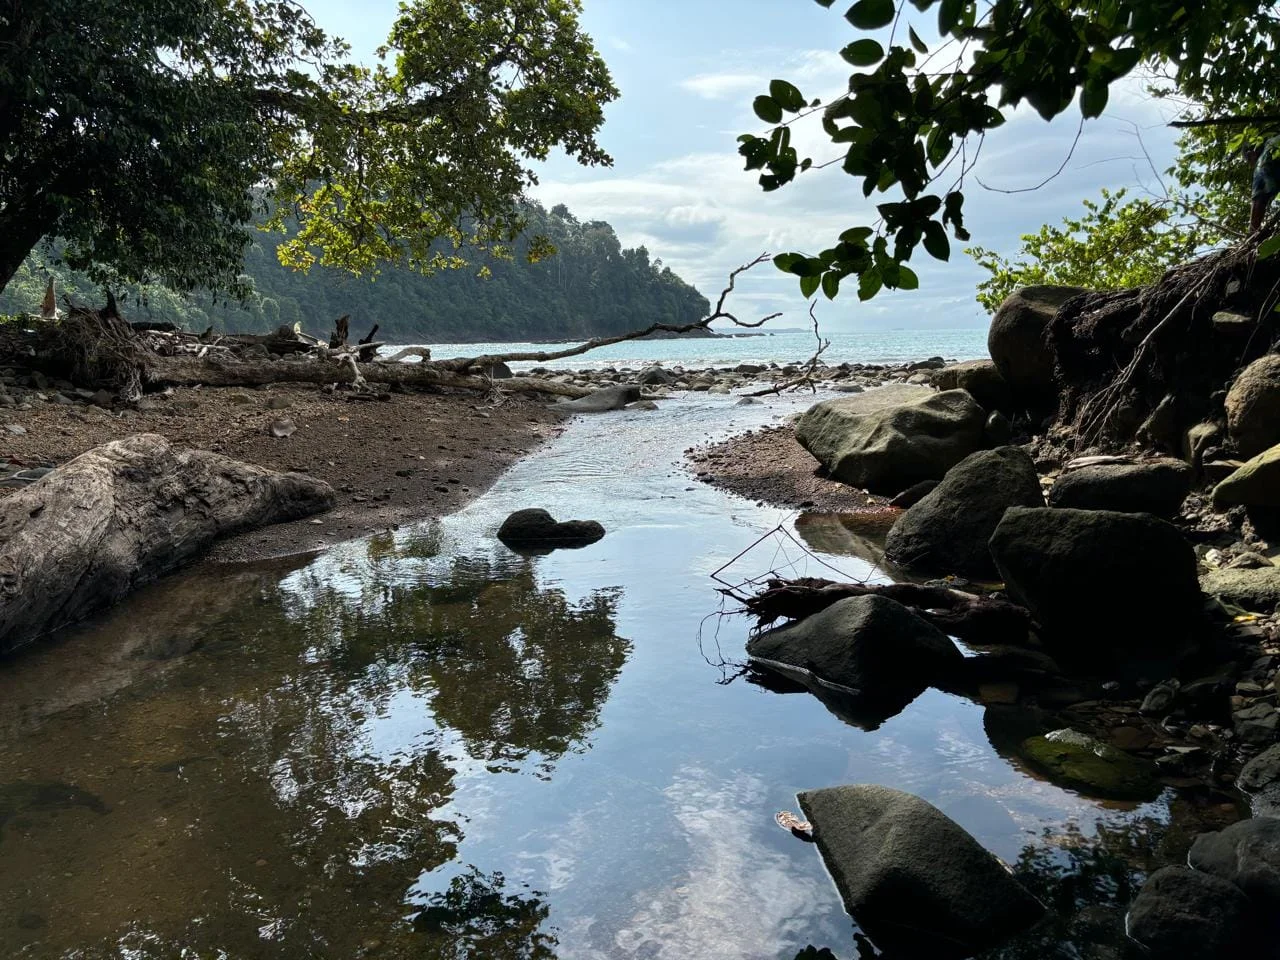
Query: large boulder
(888, 449)
(1101, 582)
(871, 646)
(913, 878)
(948, 530)
(536, 529)
(980, 379)
(1246, 854)
(1256, 590)
(1157, 487)
(1260, 779)
(598, 401)
(1182, 914)
(122, 515)
(1253, 406)
(1255, 484)
(1016, 341)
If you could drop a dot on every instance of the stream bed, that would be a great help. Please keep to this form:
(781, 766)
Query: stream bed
(423, 744)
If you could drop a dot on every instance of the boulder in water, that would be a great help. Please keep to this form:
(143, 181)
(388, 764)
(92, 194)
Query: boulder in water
(948, 530)
(606, 398)
(536, 528)
(887, 447)
(1073, 759)
(1246, 854)
(1182, 914)
(912, 877)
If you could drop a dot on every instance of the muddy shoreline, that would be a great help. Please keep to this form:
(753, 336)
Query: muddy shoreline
(394, 462)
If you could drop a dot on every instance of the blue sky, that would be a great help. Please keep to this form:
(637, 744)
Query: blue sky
(688, 71)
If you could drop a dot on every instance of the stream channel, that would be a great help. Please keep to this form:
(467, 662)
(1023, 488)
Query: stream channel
(422, 744)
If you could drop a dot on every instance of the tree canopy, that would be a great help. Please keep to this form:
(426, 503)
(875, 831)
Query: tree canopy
(591, 287)
(913, 120)
(141, 132)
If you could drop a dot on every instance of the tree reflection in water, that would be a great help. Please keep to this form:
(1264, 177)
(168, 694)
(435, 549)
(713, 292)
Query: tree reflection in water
(273, 792)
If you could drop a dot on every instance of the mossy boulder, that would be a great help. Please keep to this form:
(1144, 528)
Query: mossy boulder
(1073, 759)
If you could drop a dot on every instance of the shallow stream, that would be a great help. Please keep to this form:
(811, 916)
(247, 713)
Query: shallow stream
(425, 745)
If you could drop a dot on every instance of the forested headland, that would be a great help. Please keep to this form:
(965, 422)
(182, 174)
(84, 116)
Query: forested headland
(590, 287)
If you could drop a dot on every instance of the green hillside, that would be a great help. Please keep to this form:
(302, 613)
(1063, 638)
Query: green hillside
(591, 287)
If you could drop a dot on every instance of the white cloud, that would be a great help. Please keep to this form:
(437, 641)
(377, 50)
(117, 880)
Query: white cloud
(724, 86)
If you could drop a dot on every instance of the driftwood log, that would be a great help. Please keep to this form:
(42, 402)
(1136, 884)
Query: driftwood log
(974, 618)
(122, 515)
(214, 372)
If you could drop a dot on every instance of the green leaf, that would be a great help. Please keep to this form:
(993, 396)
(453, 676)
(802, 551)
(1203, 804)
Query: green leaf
(863, 53)
(936, 242)
(1269, 247)
(871, 14)
(916, 41)
(786, 96)
(907, 279)
(809, 286)
(1093, 98)
(949, 15)
(870, 283)
(767, 109)
(831, 285)
(786, 261)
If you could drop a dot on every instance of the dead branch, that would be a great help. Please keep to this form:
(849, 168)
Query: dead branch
(543, 356)
(810, 369)
(979, 619)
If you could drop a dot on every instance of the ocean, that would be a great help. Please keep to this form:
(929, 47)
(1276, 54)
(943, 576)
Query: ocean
(863, 346)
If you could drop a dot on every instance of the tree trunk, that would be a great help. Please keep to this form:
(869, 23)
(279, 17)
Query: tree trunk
(20, 231)
(190, 372)
(122, 515)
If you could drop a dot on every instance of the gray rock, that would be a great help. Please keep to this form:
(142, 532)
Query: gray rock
(642, 405)
(1017, 344)
(749, 368)
(282, 429)
(1256, 723)
(1261, 772)
(1160, 430)
(536, 529)
(746, 402)
(980, 378)
(887, 447)
(914, 494)
(1182, 914)
(606, 398)
(871, 647)
(1246, 854)
(915, 880)
(15, 429)
(1159, 699)
(999, 430)
(1253, 406)
(1076, 760)
(849, 388)
(498, 371)
(1158, 487)
(1255, 589)
(655, 376)
(1101, 582)
(279, 403)
(1198, 439)
(103, 398)
(1254, 484)
(948, 530)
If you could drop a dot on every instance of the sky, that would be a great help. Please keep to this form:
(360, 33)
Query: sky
(688, 71)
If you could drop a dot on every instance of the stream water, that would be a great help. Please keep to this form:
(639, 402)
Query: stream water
(425, 745)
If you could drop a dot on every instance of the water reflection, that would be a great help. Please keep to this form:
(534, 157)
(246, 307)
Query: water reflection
(278, 788)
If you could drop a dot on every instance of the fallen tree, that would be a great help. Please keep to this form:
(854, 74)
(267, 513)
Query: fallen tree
(123, 515)
(975, 618)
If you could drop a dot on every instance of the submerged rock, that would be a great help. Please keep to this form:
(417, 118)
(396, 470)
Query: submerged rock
(1073, 759)
(948, 530)
(1158, 487)
(1101, 582)
(1260, 779)
(1253, 406)
(536, 528)
(913, 878)
(1183, 914)
(886, 448)
(1017, 343)
(1246, 854)
(606, 398)
(870, 646)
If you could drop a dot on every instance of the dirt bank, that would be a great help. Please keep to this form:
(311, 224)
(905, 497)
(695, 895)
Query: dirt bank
(770, 466)
(392, 462)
